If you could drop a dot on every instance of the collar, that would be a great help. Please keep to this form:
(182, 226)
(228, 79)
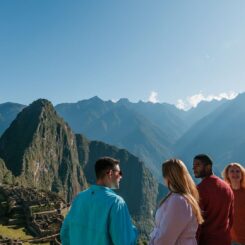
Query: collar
(100, 187)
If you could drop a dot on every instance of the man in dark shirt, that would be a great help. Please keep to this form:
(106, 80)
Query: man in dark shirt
(216, 202)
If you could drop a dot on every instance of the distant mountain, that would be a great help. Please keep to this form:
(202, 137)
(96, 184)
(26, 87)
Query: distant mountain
(137, 187)
(40, 151)
(8, 112)
(81, 114)
(165, 116)
(202, 110)
(147, 130)
(220, 134)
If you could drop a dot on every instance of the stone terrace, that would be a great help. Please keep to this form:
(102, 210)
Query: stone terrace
(39, 211)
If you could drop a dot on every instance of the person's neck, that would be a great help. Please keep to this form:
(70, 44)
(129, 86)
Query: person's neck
(102, 182)
(236, 185)
(208, 174)
(171, 189)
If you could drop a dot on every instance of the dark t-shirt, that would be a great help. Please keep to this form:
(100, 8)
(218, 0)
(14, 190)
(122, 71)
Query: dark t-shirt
(216, 202)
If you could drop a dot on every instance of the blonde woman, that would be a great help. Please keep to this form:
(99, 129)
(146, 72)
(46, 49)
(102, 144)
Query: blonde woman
(178, 215)
(234, 175)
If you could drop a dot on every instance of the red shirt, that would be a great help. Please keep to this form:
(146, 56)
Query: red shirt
(216, 202)
(238, 228)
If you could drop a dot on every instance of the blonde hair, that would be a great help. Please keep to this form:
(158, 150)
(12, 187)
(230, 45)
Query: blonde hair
(225, 173)
(180, 181)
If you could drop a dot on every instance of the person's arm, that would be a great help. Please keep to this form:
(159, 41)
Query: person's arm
(121, 229)
(231, 211)
(174, 219)
(64, 232)
(202, 205)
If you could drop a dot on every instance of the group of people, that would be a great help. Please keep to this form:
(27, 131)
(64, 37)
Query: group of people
(211, 213)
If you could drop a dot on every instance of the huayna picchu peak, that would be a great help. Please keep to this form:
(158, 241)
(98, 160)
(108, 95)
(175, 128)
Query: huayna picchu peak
(39, 148)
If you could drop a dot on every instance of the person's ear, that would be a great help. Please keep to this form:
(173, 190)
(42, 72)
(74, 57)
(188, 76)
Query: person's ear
(208, 168)
(109, 172)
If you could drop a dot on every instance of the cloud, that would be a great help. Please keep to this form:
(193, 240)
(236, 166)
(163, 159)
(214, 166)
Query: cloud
(153, 97)
(181, 104)
(114, 100)
(194, 100)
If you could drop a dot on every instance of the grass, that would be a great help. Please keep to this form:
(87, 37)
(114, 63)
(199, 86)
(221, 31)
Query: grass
(16, 233)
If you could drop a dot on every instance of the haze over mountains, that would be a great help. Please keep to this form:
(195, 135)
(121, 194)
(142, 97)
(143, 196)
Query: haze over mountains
(8, 112)
(221, 134)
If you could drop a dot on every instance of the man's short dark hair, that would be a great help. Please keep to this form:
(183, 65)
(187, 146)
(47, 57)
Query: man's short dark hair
(104, 164)
(205, 159)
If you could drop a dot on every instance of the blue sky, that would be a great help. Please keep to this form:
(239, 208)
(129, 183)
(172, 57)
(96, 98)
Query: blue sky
(166, 51)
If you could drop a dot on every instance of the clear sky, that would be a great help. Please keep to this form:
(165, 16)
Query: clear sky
(162, 50)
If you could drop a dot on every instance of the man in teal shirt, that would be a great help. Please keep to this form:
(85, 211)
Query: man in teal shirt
(99, 216)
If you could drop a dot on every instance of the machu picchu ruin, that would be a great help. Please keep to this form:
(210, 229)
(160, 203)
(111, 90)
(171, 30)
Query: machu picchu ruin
(40, 212)
(8, 241)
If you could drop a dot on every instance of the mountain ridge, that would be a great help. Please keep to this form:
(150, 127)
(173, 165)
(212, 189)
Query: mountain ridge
(219, 134)
(33, 145)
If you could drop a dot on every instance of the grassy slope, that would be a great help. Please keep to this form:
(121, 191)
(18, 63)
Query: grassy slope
(16, 233)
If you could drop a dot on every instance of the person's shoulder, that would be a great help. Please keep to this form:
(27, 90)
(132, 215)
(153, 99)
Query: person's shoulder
(179, 202)
(115, 197)
(212, 180)
(223, 186)
(203, 185)
(206, 186)
(81, 195)
(222, 183)
(242, 191)
(115, 200)
(177, 198)
(78, 199)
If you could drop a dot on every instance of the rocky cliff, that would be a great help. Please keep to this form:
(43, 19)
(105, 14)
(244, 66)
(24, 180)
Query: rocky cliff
(40, 150)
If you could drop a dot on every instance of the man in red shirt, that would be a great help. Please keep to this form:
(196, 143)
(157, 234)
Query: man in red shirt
(216, 202)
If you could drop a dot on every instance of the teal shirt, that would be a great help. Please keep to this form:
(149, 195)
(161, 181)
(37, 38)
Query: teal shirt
(98, 216)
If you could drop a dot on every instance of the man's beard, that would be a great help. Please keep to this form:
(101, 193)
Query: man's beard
(201, 174)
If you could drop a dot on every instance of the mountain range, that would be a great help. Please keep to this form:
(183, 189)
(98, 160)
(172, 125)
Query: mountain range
(151, 131)
(55, 148)
(121, 124)
(40, 150)
(157, 131)
(219, 134)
